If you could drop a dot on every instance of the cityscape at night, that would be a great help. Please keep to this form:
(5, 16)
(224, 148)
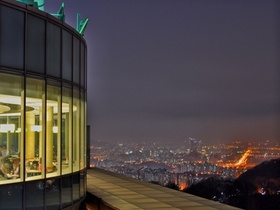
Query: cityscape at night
(211, 171)
(182, 164)
(151, 104)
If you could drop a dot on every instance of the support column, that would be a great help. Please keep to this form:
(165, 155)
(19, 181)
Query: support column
(58, 135)
(30, 136)
(67, 137)
(8, 146)
(18, 143)
(49, 142)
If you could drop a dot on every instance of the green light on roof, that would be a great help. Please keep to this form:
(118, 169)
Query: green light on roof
(81, 24)
(39, 4)
(60, 13)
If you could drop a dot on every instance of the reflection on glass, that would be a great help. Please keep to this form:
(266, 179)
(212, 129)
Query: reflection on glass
(76, 60)
(66, 130)
(67, 55)
(82, 183)
(53, 50)
(41, 131)
(83, 65)
(76, 130)
(10, 128)
(34, 192)
(76, 187)
(82, 133)
(34, 135)
(15, 191)
(12, 38)
(52, 194)
(52, 130)
(35, 44)
(66, 191)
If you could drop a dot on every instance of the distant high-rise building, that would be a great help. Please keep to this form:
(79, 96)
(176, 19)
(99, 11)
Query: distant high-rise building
(194, 144)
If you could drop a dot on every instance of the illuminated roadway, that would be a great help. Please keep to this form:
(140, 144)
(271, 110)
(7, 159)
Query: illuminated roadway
(242, 161)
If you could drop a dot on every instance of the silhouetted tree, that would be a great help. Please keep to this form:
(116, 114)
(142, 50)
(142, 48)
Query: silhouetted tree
(172, 185)
(211, 188)
(154, 182)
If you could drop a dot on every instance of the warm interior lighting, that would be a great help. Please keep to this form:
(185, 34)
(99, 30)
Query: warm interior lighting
(36, 128)
(4, 108)
(7, 127)
(18, 130)
(33, 103)
(55, 129)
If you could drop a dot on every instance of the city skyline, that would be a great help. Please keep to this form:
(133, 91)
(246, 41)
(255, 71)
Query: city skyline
(169, 70)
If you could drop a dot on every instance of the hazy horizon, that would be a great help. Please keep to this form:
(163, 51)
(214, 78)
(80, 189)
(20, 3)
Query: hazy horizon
(168, 70)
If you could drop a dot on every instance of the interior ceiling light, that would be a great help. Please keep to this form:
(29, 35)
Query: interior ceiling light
(37, 128)
(7, 127)
(55, 129)
(4, 108)
(11, 105)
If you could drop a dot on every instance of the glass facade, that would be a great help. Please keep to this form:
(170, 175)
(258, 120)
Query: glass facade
(42, 111)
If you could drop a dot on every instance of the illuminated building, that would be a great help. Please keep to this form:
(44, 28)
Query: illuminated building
(42, 109)
(194, 144)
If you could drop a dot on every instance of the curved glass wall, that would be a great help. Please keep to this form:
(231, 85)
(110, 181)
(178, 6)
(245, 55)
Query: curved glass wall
(53, 118)
(11, 123)
(42, 111)
(66, 131)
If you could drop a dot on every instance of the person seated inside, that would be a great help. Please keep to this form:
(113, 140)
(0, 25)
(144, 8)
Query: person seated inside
(3, 151)
(1, 170)
(6, 170)
(3, 154)
(5, 164)
(15, 167)
(35, 165)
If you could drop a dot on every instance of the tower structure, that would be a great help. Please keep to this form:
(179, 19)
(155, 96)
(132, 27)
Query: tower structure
(42, 110)
(194, 144)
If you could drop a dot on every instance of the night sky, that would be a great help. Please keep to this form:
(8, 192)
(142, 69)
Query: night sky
(167, 70)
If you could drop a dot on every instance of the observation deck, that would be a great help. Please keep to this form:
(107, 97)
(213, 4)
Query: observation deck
(110, 191)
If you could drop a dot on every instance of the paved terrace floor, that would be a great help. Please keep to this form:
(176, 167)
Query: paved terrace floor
(114, 191)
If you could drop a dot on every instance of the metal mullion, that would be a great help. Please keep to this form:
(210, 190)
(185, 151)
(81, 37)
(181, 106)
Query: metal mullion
(72, 140)
(24, 112)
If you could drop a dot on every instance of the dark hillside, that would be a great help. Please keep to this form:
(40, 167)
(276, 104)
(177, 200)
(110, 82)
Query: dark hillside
(256, 189)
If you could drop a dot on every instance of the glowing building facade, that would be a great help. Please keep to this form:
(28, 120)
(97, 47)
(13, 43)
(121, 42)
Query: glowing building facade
(42, 110)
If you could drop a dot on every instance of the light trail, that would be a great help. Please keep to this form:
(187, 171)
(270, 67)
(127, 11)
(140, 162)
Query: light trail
(242, 161)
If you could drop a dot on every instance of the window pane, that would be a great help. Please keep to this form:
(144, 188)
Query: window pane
(35, 44)
(35, 129)
(76, 187)
(12, 37)
(76, 130)
(53, 128)
(53, 50)
(85, 68)
(82, 134)
(11, 144)
(7, 191)
(83, 184)
(76, 60)
(66, 191)
(34, 195)
(66, 129)
(83, 65)
(66, 55)
(52, 194)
